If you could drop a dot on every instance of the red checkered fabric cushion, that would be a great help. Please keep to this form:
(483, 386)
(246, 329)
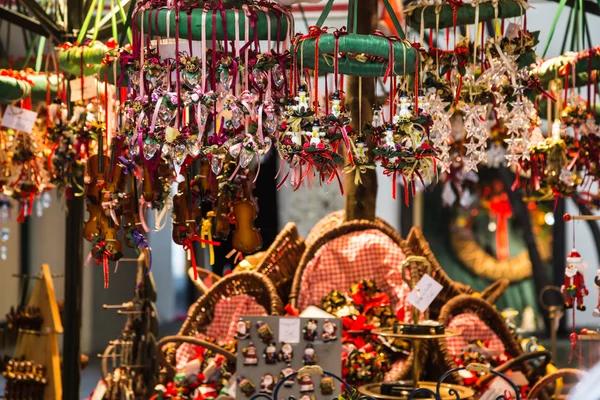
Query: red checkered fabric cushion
(392, 374)
(227, 311)
(345, 260)
(472, 328)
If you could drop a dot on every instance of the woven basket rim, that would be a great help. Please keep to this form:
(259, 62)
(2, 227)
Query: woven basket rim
(275, 304)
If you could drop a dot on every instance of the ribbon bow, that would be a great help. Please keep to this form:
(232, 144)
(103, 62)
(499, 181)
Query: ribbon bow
(129, 167)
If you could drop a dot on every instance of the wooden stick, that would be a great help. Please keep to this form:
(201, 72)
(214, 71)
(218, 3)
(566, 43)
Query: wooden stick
(361, 199)
(568, 217)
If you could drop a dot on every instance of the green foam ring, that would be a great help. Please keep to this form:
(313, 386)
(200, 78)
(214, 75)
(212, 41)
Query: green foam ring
(548, 70)
(12, 90)
(196, 23)
(465, 14)
(371, 45)
(69, 61)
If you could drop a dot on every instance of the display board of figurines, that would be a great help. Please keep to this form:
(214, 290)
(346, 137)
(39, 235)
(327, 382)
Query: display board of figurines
(270, 348)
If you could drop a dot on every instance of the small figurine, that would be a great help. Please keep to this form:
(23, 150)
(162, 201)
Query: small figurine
(310, 330)
(389, 136)
(270, 353)
(315, 134)
(286, 353)
(306, 384)
(310, 358)
(267, 384)
(296, 137)
(264, 331)
(242, 329)
(329, 331)
(377, 116)
(336, 104)
(287, 371)
(327, 385)
(245, 385)
(423, 103)
(404, 110)
(307, 397)
(250, 357)
(574, 288)
(361, 154)
(302, 100)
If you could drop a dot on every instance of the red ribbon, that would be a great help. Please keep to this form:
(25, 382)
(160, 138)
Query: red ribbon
(501, 209)
(394, 173)
(104, 256)
(188, 244)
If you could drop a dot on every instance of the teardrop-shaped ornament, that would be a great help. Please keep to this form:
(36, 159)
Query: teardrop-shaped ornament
(150, 149)
(235, 150)
(203, 114)
(267, 143)
(193, 148)
(271, 123)
(178, 155)
(246, 157)
(216, 165)
(260, 77)
(225, 80)
(134, 146)
(237, 117)
(278, 75)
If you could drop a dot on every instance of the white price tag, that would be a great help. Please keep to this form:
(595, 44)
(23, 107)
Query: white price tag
(289, 330)
(424, 293)
(90, 89)
(99, 392)
(19, 119)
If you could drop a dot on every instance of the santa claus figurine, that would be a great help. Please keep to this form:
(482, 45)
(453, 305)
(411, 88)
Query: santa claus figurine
(574, 288)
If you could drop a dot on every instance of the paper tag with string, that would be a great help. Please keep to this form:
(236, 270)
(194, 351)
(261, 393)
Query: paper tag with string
(89, 88)
(424, 293)
(19, 119)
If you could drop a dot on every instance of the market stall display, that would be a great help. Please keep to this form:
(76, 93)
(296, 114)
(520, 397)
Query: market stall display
(176, 113)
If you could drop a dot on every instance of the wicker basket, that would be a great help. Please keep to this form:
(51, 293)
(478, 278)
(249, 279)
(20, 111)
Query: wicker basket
(488, 314)
(201, 313)
(333, 226)
(329, 231)
(551, 378)
(278, 262)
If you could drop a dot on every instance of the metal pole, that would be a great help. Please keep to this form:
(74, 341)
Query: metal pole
(73, 289)
(74, 17)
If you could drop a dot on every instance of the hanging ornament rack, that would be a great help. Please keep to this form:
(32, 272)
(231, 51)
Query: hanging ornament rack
(441, 14)
(349, 53)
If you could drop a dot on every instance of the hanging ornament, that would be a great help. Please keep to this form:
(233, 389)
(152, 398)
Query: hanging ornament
(573, 287)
